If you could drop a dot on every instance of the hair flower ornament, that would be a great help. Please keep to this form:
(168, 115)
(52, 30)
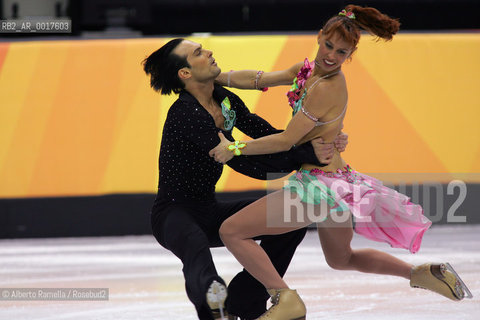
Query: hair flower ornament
(348, 14)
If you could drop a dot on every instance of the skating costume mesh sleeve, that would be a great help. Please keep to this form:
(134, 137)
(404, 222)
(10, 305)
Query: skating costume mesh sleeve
(380, 213)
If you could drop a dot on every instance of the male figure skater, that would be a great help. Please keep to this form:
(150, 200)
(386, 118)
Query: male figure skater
(186, 216)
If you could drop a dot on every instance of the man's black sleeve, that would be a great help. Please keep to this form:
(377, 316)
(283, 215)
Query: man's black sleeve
(276, 165)
(262, 166)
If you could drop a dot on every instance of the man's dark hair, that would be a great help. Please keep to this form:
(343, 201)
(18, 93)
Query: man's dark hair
(163, 66)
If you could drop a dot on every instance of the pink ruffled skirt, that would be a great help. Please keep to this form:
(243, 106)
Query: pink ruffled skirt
(379, 213)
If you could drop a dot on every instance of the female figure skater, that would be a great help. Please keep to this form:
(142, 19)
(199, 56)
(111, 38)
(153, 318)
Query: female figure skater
(319, 100)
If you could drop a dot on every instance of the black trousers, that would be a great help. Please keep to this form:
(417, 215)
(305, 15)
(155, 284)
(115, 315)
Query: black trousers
(189, 230)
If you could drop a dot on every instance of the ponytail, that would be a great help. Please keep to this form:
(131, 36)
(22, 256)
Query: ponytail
(374, 22)
(350, 21)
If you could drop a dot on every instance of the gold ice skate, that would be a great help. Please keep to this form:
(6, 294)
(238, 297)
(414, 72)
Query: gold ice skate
(440, 278)
(286, 305)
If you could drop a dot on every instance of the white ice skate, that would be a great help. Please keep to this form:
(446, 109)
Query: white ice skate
(216, 296)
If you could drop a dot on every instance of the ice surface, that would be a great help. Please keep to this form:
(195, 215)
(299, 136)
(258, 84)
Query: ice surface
(145, 280)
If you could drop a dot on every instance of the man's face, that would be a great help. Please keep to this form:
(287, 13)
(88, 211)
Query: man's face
(203, 65)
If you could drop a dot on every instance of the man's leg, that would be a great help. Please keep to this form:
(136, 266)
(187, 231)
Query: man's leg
(247, 298)
(175, 229)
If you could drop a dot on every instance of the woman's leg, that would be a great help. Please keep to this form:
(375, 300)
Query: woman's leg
(335, 238)
(247, 297)
(263, 217)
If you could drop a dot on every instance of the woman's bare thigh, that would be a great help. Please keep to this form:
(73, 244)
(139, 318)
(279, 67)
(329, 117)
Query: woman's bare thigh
(278, 212)
(335, 235)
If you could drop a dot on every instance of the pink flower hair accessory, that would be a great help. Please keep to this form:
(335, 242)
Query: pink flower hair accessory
(348, 14)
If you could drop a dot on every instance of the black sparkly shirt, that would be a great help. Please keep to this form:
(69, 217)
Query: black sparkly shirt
(188, 173)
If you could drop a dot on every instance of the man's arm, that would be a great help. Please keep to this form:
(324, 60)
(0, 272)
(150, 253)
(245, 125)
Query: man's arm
(276, 165)
(205, 136)
(285, 162)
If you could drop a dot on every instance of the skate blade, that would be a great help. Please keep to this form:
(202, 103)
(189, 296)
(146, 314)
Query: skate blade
(464, 286)
(219, 314)
(222, 316)
(216, 295)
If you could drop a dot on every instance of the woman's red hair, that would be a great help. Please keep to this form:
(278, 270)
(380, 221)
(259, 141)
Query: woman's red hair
(366, 18)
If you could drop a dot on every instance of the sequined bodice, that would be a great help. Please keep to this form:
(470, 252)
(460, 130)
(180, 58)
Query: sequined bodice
(297, 105)
(294, 98)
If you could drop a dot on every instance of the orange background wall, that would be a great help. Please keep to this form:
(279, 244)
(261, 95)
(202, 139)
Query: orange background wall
(79, 117)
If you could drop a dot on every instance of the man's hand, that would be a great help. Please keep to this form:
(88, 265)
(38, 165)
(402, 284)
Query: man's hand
(220, 153)
(323, 151)
(341, 142)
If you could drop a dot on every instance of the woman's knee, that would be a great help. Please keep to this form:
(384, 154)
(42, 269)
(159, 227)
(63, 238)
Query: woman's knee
(228, 230)
(339, 261)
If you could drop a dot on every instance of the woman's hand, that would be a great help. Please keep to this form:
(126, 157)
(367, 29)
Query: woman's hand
(221, 153)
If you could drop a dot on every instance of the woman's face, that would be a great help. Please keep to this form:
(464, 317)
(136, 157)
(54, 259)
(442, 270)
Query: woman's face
(332, 51)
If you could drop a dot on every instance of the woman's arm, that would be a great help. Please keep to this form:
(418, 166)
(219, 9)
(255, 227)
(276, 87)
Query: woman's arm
(245, 79)
(297, 128)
